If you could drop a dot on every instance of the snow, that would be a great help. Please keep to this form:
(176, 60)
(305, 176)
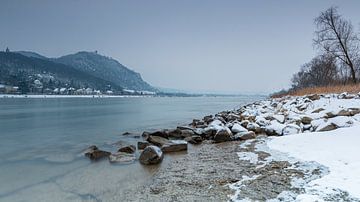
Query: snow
(338, 150)
(237, 128)
(248, 156)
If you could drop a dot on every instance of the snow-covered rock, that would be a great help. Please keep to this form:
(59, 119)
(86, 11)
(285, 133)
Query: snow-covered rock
(291, 129)
(237, 128)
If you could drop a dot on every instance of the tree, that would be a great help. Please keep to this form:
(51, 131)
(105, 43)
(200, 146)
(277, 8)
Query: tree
(320, 71)
(335, 36)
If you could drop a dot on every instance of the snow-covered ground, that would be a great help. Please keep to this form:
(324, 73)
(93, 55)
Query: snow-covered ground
(339, 150)
(322, 129)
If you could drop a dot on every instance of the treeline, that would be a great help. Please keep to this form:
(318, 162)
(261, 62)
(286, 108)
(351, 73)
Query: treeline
(338, 59)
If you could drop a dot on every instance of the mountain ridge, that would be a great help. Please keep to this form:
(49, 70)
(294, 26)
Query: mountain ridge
(81, 70)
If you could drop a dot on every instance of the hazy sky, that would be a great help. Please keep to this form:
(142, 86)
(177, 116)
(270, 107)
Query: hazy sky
(227, 46)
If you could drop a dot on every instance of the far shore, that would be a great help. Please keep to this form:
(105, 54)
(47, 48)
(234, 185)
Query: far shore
(70, 96)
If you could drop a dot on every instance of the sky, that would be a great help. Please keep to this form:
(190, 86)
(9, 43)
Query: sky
(200, 46)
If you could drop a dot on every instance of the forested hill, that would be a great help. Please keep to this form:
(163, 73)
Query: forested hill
(34, 73)
(105, 68)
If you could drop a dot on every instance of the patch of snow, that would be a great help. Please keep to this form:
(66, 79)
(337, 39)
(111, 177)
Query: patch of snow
(248, 156)
(338, 150)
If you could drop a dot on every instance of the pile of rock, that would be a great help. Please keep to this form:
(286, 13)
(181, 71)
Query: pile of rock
(273, 117)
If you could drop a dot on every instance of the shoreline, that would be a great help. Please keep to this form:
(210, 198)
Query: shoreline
(258, 164)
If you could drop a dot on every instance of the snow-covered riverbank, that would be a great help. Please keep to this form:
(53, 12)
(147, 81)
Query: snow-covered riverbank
(320, 133)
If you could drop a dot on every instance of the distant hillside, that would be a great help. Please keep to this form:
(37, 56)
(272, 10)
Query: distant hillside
(107, 69)
(31, 54)
(32, 74)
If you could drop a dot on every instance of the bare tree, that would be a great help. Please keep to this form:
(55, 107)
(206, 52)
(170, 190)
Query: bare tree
(320, 71)
(335, 36)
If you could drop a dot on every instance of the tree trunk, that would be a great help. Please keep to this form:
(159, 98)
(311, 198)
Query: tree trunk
(353, 73)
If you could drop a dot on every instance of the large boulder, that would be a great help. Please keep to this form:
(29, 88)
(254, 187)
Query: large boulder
(274, 128)
(245, 135)
(237, 128)
(344, 112)
(187, 133)
(279, 117)
(222, 135)
(122, 157)
(195, 139)
(94, 153)
(157, 140)
(160, 133)
(326, 126)
(174, 146)
(254, 127)
(151, 155)
(306, 120)
(313, 97)
(130, 149)
(291, 129)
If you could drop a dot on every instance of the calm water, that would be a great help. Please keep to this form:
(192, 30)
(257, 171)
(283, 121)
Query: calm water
(42, 140)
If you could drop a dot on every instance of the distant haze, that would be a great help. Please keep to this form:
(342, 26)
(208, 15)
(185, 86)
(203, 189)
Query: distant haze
(212, 46)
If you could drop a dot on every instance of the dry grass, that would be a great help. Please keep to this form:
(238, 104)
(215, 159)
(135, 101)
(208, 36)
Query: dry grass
(350, 88)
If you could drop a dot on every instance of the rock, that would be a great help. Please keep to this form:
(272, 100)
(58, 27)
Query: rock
(318, 110)
(245, 135)
(237, 128)
(208, 119)
(279, 117)
(127, 133)
(157, 140)
(201, 126)
(209, 132)
(275, 128)
(261, 121)
(95, 154)
(160, 133)
(254, 127)
(291, 129)
(187, 133)
(195, 139)
(174, 146)
(326, 126)
(151, 155)
(306, 120)
(244, 123)
(330, 115)
(222, 136)
(122, 157)
(176, 133)
(232, 117)
(91, 148)
(145, 134)
(354, 111)
(142, 145)
(343, 112)
(184, 128)
(313, 97)
(199, 131)
(307, 127)
(130, 149)
(196, 123)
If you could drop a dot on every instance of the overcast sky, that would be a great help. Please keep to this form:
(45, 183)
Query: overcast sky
(222, 46)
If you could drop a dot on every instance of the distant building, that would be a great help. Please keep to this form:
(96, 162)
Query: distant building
(7, 50)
